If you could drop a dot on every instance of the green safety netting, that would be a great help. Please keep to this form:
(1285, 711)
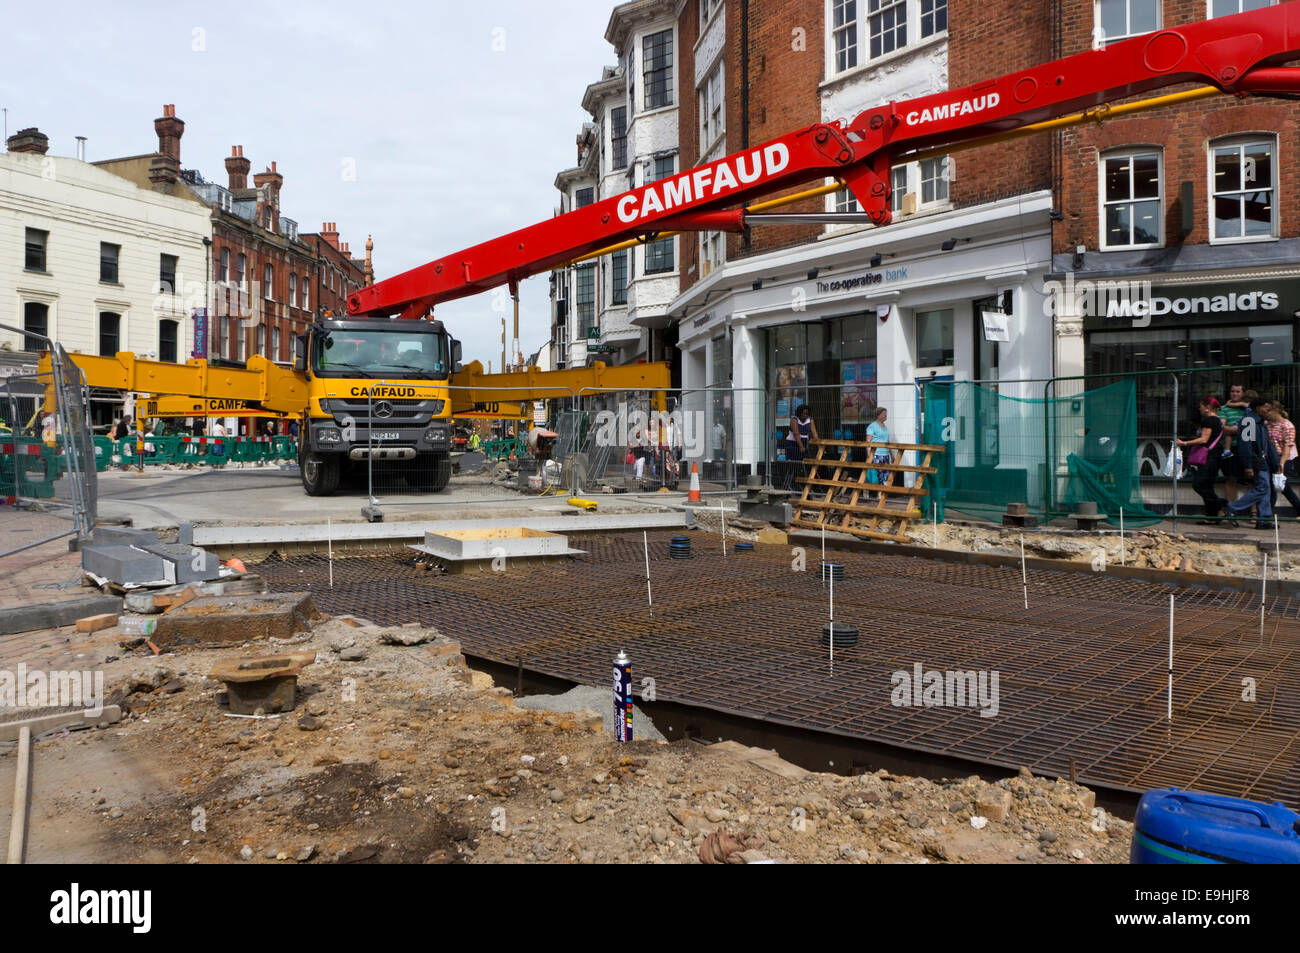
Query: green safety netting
(1050, 453)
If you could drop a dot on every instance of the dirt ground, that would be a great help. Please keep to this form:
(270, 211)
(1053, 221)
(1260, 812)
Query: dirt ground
(1239, 554)
(399, 753)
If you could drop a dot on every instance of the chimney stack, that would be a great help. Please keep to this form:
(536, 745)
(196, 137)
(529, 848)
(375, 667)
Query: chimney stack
(330, 232)
(169, 129)
(370, 265)
(29, 140)
(81, 148)
(237, 168)
(271, 182)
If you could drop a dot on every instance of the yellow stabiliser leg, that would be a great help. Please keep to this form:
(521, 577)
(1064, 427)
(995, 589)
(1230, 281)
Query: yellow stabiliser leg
(579, 502)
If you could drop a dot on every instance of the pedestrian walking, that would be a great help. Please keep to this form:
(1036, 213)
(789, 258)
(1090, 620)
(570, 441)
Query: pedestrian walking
(1205, 456)
(1282, 431)
(1258, 459)
(1234, 408)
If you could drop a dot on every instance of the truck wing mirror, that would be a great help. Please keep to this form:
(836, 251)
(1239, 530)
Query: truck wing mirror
(300, 353)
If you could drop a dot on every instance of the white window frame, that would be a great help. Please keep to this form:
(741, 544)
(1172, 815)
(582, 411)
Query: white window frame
(293, 290)
(1099, 38)
(713, 252)
(883, 9)
(898, 189)
(942, 165)
(1211, 15)
(707, 10)
(848, 28)
(858, 32)
(306, 297)
(268, 279)
(1241, 141)
(712, 99)
(920, 19)
(670, 97)
(275, 342)
(1130, 153)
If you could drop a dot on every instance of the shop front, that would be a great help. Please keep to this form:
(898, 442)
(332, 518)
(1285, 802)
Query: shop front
(852, 324)
(1184, 341)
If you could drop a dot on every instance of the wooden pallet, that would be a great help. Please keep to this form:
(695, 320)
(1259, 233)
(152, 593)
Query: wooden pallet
(834, 489)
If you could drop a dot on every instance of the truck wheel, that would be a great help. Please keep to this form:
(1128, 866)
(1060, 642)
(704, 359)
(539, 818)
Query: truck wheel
(435, 470)
(320, 473)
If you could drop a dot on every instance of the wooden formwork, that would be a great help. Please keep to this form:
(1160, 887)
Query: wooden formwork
(845, 505)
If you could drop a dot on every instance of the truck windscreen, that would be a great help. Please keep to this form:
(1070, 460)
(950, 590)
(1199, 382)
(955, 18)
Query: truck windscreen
(386, 353)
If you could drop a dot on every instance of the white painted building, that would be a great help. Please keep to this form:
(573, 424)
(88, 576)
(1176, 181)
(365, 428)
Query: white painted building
(618, 304)
(864, 316)
(96, 262)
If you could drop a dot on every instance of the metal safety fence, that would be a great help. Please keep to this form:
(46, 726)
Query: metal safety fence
(1051, 443)
(47, 458)
(647, 440)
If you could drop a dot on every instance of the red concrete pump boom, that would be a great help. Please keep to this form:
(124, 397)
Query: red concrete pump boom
(1239, 54)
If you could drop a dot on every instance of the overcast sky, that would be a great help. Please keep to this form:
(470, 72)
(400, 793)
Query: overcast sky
(458, 115)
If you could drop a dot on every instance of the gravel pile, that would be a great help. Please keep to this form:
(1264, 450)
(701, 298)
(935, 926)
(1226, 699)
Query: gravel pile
(593, 699)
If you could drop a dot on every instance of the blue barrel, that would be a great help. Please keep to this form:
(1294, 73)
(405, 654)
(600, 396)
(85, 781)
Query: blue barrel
(1187, 827)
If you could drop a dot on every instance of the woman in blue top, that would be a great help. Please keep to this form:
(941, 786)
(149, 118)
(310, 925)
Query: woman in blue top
(802, 429)
(877, 432)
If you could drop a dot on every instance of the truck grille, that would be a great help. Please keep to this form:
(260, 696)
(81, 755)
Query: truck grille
(404, 409)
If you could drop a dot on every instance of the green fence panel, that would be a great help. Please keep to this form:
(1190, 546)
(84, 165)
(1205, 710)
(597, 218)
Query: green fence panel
(1049, 453)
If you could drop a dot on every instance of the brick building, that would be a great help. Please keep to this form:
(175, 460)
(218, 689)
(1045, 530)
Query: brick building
(1198, 205)
(262, 270)
(337, 274)
(845, 316)
(1194, 202)
(267, 281)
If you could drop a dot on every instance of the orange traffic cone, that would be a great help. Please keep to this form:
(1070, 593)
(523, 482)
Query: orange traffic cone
(694, 495)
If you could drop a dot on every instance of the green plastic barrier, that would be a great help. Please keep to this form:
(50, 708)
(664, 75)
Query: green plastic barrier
(103, 452)
(27, 467)
(285, 448)
(501, 449)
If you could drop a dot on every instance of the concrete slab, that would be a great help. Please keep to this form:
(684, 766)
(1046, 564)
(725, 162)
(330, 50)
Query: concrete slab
(485, 543)
(123, 564)
(187, 563)
(415, 530)
(51, 615)
(122, 536)
(215, 620)
(39, 724)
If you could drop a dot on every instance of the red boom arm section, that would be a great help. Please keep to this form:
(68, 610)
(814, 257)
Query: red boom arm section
(1239, 54)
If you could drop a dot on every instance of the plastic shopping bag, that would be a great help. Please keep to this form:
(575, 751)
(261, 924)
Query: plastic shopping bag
(1279, 481)
(1173, 462)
